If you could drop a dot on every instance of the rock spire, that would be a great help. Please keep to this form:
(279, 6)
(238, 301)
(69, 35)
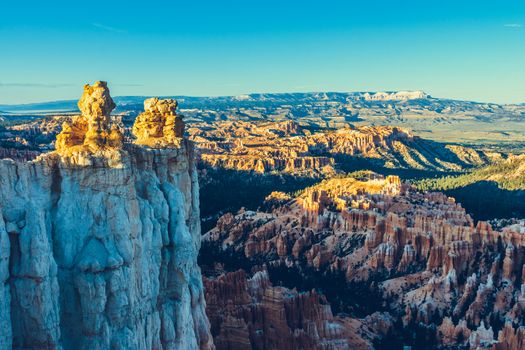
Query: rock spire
(159, 126)
(92, 132)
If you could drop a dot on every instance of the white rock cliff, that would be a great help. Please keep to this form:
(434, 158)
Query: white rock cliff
(102, 255)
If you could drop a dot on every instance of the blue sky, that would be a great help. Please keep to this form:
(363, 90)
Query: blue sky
(458, 49)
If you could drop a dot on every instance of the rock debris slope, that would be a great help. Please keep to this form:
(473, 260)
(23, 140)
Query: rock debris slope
(99, 241)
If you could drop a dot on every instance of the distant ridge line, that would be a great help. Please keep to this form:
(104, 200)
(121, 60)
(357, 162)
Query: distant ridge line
(370, 96)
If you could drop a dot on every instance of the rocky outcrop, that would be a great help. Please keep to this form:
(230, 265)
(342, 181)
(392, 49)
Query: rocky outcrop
(286, 147)
(99, 243)
(250, 313)
(91, 133)
(447, 281)
(159, 126)
(269, 164)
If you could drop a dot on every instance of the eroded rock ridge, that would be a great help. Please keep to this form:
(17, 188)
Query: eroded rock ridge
(376, 244)
(289, 147)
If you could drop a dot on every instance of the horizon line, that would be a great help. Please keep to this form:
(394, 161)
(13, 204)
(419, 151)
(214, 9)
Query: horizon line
(275, 93)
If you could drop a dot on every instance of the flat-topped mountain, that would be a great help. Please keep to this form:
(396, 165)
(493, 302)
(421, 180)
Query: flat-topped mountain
(404, 99)
(395, 96)
(434, 118)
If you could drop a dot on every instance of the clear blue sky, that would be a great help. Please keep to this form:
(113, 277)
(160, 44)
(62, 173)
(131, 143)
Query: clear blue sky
(459, 49)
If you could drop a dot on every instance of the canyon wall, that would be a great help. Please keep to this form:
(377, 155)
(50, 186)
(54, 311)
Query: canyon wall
(99, 242)
(289, 147)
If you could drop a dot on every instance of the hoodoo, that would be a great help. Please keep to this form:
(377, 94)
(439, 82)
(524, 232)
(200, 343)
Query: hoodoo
(91, 134)
(99, 239)
(159, 125)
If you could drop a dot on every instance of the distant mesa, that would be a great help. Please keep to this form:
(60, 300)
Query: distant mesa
(367, 96)
(396, 96)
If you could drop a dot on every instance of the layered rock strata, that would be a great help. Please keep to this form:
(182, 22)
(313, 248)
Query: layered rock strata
(99, 243)
(287, 147)
(447, 281)
(250, 313)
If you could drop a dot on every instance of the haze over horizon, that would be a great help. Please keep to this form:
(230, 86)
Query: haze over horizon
(250, 93)
(467, 51)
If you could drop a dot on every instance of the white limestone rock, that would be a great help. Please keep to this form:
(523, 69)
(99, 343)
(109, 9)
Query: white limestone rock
(100, 257)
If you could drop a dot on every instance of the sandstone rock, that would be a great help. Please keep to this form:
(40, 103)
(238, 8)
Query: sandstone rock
(451, 335)
(510, 338)
(286, 147)
(435, 271)
(250, 313)
(92, 133)
(159, 126)
(481, 338)
(408, 257)
(91, 138)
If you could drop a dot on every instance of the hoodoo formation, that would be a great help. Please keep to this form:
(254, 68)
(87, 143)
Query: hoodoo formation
(92, 133)
(250, 313)
(231, 217)
(159, 125)
(99, 240)
(289, 147)
(414, 262)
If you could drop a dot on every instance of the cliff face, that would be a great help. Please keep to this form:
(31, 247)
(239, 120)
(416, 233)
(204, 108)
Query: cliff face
(98, 246)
